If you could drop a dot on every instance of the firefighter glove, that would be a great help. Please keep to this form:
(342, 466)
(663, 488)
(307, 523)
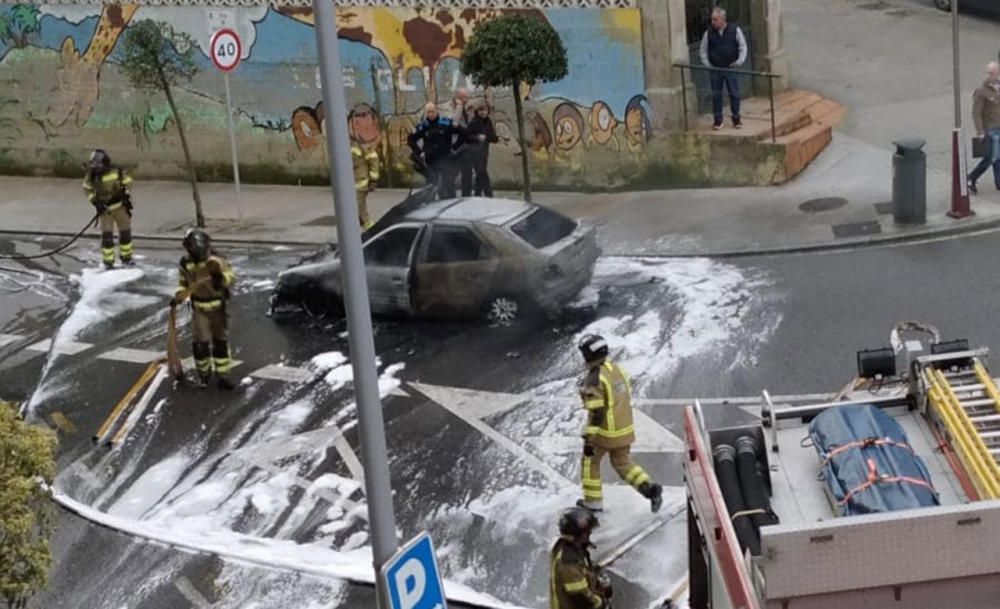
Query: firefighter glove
(588, 449)
(218, 281)
(100, 207)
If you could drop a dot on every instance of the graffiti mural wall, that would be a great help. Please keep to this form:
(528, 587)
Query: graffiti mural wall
(63, 92)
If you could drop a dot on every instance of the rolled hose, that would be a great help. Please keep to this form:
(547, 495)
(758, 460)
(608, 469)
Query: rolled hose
(752, 483)
(729, 481)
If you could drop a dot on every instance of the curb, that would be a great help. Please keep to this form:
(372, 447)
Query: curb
(962, 228)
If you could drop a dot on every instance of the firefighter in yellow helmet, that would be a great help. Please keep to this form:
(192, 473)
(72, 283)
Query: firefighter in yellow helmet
(366, 174)
(207, 277)
(109, 190)
(575, 582)
(607, 397)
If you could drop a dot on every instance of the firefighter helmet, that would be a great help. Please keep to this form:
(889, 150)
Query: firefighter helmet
(99, 160)
(593, 348)
(197, 243)
(576, 521)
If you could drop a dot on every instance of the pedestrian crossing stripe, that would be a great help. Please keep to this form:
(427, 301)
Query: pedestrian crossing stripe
(288, 374)
(7, 339)
(135, 356)
(66, 347)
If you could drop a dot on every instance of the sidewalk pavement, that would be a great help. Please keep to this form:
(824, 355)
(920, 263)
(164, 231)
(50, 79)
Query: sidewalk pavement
(841, 200)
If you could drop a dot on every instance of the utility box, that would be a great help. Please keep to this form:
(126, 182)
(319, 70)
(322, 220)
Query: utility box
(909, 182)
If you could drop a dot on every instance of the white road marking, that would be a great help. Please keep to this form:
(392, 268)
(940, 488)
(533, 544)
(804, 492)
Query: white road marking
(66, 347)
(188, 591)
(135, 356)
(6, 339)
(277, 372)
(306, 484)
(457, 401)
(472, 403)
(310, 441)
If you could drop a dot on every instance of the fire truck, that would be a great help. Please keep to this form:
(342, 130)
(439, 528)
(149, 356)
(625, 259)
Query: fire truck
(883, 497)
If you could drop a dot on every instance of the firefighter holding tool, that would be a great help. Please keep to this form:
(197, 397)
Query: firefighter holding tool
(108, 188)
(206, 278)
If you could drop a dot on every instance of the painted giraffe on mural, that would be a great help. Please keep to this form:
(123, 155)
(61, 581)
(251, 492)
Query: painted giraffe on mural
(79, 76)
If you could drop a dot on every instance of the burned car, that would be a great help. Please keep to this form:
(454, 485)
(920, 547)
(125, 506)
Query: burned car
(458, 258)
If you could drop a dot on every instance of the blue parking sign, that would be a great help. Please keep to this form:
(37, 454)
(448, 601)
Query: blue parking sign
(411, 577)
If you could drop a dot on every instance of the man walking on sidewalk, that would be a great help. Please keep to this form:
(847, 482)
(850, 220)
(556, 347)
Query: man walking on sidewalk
(724, 46)
(986, 116)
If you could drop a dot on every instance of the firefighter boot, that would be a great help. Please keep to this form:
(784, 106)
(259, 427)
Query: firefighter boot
(593, 506)
(224, 382)
(653, 492)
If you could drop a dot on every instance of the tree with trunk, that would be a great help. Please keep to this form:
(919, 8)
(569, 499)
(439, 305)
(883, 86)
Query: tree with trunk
(510, 50)
(27, 466)
(157, 58)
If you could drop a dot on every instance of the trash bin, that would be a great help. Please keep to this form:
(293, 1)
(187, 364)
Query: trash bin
(909, 182)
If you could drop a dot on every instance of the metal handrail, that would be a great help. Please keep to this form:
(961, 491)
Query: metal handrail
(770, 76)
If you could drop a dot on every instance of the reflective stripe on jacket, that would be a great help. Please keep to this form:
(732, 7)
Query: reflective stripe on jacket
(204, 296)
(110, 188)
(572, 581)
(607, 396)
(366, 168)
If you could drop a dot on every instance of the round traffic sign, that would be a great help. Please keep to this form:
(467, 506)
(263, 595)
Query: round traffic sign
(226, 49)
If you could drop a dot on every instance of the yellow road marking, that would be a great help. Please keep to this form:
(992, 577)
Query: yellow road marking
(63, 423)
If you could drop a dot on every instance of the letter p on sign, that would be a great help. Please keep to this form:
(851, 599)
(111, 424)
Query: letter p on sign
(411, 578)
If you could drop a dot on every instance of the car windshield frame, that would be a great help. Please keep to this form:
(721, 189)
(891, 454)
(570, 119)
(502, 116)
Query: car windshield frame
(520, 220)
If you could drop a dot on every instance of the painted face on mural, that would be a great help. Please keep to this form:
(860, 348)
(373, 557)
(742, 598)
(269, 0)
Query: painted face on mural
(569, 126)
(364, 124)
(602, 123)
(541, 137)
(635, 123)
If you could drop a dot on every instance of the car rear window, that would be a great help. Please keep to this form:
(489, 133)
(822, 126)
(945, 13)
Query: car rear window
(543, 227)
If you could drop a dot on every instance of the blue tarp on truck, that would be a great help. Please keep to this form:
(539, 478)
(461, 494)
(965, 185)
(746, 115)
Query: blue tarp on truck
(868, 463)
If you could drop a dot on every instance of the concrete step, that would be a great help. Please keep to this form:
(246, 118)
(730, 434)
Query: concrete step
(827, 112)
(804, 145)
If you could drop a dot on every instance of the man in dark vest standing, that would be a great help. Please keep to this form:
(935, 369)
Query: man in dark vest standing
(724, 46)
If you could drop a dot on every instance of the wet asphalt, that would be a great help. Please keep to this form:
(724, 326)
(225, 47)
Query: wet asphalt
(800, 324)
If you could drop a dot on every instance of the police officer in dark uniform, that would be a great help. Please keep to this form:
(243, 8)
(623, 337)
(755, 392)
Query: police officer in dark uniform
(433, 141)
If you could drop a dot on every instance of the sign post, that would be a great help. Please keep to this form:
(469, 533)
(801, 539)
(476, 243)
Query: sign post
(411, 578)
(226, 53)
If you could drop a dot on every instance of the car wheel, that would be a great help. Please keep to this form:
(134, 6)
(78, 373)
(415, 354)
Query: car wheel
(319, 306)
(502, 309)
(944, 5)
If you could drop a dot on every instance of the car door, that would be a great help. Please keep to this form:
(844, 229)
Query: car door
(454, 271)
(388, 263)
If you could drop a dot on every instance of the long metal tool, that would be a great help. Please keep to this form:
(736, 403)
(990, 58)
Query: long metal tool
(123, 404)
(381, 514)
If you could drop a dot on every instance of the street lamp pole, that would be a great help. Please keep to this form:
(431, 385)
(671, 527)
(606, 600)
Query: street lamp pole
(960, 207)
(378, 492)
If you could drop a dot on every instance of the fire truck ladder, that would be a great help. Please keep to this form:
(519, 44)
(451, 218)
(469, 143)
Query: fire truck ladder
(967, 402)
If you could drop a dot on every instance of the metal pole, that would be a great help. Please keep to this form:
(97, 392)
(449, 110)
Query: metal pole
(359, 322)
(232, 145)
(770, 96)
(960, 207)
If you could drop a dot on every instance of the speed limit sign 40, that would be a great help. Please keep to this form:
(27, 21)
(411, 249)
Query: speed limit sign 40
(226, 50)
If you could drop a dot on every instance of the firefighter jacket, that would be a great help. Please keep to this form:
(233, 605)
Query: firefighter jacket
(607, 396)
(196, 276)
(365, 167)
(573, 578)
(110, 188)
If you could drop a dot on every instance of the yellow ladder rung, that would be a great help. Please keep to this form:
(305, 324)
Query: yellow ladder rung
(989, 387)
(975, 455)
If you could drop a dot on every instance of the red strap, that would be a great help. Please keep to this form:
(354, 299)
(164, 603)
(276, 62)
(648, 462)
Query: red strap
(874, 478)
(865, 443)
